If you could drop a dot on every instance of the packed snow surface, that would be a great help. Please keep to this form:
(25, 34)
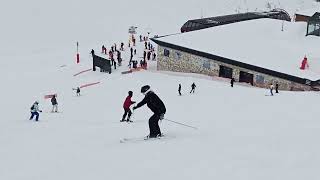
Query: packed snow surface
(243, 133)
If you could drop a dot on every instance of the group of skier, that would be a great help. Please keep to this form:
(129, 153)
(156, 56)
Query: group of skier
(271, 87)
(35, 108)
(193, 88)
(154, 103)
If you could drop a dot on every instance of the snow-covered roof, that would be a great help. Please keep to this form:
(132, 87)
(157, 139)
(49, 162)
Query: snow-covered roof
(258, 42)
(308, 12)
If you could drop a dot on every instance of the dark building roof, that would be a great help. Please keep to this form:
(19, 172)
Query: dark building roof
(240, 64)
(197, 24)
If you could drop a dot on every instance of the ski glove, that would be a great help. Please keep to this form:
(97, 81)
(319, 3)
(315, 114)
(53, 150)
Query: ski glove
(161, 116)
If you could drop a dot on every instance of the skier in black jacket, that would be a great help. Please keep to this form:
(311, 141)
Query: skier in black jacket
(193, 87)
(156, 106)
(54, 104)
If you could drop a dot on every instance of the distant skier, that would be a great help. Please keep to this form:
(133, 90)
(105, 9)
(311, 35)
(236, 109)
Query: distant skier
(141, 63)
(92, 52)
(131, 51)
(135, 51)
(134, 41)
(112, 49)
(232, 81)
(144, 55)
(77, 91)
(119, 59)
(271, 89)
(35, 110)
(156, 106)
(277, 88)
(149, 55)
(104, 49)
(126, 106)
(111, 57)
(179, 89)
(193, 87)
(154, 56)
(115, 64)
(121, 47)
(54, 104)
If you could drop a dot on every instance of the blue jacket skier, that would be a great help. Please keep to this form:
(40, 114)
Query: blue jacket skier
(35, 110)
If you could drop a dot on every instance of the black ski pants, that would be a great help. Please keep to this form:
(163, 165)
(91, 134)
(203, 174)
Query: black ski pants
(154, 126)
(126, 111)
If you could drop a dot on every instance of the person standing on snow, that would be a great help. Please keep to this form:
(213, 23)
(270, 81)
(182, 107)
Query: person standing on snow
(277, 88)
(92, 52)
(179, 89)
(271, 89)
(232, 82)
(78, 91)
(111, 57)
(131, 51)
(54, 104)
(35, 111)
(154, 56)
(121, 46)
(156, 106)
(119, 58)
(126, 106)
(115, 64)
(144, 55)
(149, 55)
(193, 87)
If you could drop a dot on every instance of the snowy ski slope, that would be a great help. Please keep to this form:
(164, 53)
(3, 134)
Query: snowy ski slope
(242, 132)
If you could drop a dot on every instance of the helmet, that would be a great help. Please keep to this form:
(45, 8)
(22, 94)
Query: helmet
(145, 88)
(36, 102)
(130, 93)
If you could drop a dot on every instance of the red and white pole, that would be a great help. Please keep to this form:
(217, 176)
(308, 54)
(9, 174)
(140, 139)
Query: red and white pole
(78, 56)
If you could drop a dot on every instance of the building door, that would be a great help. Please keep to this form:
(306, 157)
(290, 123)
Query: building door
(225, 72)
(246, 77)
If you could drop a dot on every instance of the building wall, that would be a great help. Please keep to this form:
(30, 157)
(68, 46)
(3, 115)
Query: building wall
(179, 61)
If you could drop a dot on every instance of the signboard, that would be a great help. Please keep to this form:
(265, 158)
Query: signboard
(132, 30)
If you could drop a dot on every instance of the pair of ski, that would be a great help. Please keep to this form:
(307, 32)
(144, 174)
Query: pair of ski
(127, 121)
(142, 139)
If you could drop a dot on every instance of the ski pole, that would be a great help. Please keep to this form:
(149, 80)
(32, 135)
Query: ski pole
(180, 123)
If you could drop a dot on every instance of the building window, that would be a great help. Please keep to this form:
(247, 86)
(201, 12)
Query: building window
(246, 77)
(206, 64)
(259, 79)
(225, 72)
(166, 52)
(177, 55)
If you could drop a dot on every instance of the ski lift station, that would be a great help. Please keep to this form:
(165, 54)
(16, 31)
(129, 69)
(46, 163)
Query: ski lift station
(257, 48)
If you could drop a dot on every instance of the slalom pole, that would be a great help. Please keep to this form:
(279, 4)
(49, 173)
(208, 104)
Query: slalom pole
(180, 123)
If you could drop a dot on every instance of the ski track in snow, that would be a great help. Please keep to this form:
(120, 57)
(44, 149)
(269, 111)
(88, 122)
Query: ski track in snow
(243, 132)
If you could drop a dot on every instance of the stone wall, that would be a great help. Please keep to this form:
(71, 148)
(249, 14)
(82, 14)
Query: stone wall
(179, 61)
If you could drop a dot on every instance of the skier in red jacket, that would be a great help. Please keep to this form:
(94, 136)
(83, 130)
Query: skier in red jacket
(126, 106)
